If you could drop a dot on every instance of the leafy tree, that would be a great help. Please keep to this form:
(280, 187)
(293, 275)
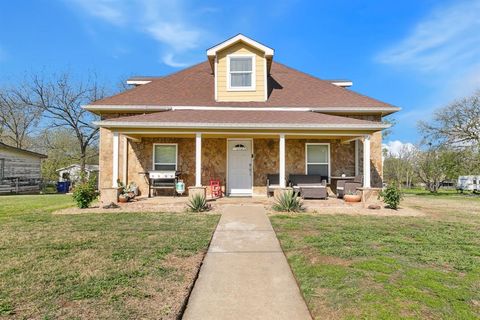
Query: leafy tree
(431, 167)
(391, 121)
(398, 168)
(59, 144)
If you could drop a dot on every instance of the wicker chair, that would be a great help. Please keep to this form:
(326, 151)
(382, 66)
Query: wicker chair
(273, 182)
(348, 186)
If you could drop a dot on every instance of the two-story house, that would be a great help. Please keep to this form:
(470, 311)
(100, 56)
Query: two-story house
(237, 117)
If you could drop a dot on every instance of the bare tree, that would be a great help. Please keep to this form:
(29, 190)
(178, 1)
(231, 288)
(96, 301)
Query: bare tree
(457, 124)
(61, 99)
(17, 119)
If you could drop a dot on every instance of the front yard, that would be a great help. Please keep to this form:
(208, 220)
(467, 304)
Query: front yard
(109, 266)
(352, 267)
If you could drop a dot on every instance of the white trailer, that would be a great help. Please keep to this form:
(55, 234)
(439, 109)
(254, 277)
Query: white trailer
(468, 183)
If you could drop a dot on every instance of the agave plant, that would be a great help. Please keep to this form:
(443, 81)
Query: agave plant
(288, 201)
(198, 203)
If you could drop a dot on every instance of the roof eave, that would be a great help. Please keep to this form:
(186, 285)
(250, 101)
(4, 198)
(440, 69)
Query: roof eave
(152, 108)
(243, 126)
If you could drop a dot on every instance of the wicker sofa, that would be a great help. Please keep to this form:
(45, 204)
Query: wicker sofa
(309, 186)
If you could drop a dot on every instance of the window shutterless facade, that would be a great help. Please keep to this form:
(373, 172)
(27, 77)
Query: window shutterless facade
(317, 159)
(165, 156)
(241, 72)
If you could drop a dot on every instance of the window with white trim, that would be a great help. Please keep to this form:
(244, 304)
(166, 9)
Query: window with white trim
(241, 72)
(165, 157)
(318, 159)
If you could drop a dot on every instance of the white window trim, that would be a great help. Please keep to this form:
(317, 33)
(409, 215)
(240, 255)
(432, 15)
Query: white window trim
(253, 86)
(161, 163)
(328, 154)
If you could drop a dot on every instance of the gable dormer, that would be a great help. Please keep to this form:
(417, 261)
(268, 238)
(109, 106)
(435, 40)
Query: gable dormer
(241, 67)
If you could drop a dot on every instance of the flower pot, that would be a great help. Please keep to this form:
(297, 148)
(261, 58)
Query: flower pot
(122, 199)
(352, 198)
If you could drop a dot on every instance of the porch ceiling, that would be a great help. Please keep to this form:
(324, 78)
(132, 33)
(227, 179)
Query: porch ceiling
(211, 135)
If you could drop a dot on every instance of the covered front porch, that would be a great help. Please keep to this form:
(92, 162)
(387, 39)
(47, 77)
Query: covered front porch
(241, 161)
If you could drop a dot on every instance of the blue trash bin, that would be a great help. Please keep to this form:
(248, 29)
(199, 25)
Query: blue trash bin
(63, 186)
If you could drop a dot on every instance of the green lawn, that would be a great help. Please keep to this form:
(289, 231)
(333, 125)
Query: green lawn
(109, 266)
(367, 267)
(442, 193)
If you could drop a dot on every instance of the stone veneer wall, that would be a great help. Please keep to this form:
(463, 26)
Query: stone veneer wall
(214, 159)
(342, 156)
(265, 161)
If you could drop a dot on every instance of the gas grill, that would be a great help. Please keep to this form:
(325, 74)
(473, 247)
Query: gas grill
(162, 179)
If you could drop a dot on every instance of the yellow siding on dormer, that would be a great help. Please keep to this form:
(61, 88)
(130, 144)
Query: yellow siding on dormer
(221, 76)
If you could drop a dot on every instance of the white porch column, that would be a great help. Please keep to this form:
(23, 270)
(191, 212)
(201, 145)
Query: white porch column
(115, 143)
(125, 161)
(198, 160)
(366, 161)
(282, 161)
(357, 158)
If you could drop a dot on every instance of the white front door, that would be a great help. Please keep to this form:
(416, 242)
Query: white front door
(240, 171)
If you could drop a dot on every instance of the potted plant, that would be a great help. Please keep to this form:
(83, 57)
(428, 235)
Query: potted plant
(123, 197)
(125, 194)
(352, 196)
(132, 190)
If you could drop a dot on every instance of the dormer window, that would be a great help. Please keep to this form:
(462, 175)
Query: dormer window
(241, 72)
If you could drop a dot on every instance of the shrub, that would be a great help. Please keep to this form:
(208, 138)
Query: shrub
(288, 201)
(391, 196)
(84, 193)
(198, 203)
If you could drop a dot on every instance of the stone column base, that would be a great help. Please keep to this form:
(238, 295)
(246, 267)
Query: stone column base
(370, 196)
(193, 191)
(109, 195)
(279, 191)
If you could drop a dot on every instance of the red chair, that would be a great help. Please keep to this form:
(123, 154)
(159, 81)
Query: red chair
(215, 188)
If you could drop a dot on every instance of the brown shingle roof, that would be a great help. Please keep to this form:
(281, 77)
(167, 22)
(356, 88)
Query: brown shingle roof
(194, 86)
(239, 118)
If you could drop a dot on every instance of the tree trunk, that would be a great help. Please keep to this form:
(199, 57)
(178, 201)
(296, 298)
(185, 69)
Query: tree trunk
(83, 159)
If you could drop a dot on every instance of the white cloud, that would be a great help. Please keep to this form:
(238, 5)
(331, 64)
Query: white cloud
(444, 47)
(178, 36)
(170, 23)
(396, 147)
(447, 36)
(168, 59)
(108, 10)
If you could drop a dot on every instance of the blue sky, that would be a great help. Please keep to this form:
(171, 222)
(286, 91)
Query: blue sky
(418, 55)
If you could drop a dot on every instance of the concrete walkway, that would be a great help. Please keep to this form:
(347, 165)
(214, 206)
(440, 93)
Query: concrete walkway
(245, 274)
